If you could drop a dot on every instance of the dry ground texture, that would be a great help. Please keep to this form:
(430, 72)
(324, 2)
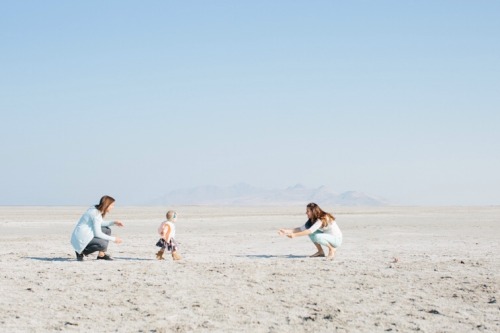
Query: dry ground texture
(400, 269)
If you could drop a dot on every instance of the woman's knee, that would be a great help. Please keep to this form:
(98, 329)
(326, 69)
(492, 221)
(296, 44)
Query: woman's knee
(106, 230)
(100, 245)
(326, 240)
(313, 237)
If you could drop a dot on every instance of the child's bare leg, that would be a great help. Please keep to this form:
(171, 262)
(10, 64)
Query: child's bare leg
(320, 252)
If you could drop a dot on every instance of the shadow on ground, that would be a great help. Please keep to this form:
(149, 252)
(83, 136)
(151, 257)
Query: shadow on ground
(59, 259)
(270, 256)
(53, 259)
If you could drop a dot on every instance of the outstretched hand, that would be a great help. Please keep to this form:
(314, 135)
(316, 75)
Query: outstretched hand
(119, 223)
(118, 240)
(286, 232)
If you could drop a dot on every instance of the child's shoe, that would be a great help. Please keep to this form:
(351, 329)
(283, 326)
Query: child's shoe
(176, 256)
(159, 255)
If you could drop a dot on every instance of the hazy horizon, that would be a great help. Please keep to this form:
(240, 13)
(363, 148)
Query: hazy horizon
(394, 99)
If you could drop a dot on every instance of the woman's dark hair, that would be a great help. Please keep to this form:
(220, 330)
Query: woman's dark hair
(104, 204)
(319, 214)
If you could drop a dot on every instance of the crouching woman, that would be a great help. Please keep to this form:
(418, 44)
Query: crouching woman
(321, 229)
(92, 233)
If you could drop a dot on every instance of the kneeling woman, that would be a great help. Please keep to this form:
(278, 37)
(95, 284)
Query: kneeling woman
(92, 234)
(321, 229)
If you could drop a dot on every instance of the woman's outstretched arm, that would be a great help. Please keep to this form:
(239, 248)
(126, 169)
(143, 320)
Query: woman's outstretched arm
(283, 232)
(298, 233)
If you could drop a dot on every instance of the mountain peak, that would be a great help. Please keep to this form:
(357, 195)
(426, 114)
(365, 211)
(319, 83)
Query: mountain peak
(245, 194)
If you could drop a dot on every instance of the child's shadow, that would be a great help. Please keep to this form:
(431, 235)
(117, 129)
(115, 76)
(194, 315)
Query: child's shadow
(270, 256)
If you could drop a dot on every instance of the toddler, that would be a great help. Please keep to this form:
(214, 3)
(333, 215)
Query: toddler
(167, 234)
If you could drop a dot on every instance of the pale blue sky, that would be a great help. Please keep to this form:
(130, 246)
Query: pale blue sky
(399, 99)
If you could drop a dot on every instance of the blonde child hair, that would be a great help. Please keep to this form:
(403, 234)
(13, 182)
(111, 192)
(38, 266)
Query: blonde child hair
(171, 215)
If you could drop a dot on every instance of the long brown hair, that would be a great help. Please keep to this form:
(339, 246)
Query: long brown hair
(319, 214)
(103, 205)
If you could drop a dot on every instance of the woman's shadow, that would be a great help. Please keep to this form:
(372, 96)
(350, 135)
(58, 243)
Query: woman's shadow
(61, 259)
(51, 259)
(270, 256)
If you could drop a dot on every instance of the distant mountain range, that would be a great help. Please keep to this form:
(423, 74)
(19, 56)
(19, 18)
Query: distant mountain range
(244, 194)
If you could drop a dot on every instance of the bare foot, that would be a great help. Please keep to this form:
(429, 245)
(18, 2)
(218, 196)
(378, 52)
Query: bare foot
(331, 254)
(318, 254)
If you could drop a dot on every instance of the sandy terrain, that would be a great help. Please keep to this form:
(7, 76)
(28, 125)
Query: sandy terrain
(237, 274)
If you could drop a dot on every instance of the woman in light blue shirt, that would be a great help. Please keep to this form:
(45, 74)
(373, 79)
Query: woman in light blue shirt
(92, 233)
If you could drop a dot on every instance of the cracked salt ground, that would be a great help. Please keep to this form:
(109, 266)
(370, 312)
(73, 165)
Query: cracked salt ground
(237, 274)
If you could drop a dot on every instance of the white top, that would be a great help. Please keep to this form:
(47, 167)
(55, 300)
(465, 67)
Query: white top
(88, 227)
(162, 230)
(332, 228)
